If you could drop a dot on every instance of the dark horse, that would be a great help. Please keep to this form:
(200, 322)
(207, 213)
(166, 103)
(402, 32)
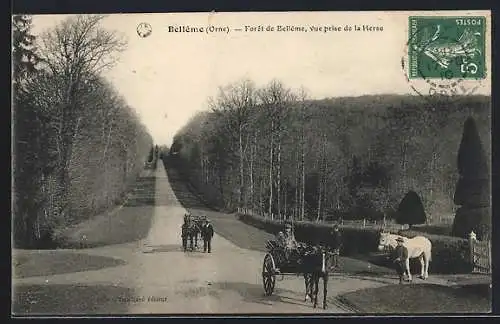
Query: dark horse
(190, 232)
(317, 262)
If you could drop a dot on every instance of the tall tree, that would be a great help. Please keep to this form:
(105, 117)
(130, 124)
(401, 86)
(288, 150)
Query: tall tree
(303, 96)
(24, 56)
(26, 132)
(73, 53)
(276, 100)
(234, 103)
(473, 187)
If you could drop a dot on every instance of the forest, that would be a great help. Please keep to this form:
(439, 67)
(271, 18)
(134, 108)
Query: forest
(278, 153)
(77, 144)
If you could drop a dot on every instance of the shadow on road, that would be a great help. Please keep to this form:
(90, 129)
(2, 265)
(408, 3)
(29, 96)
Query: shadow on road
(47, 263)
(174, 248)
(254, 293)
(165, 248)
(70, 299)
(372, 277)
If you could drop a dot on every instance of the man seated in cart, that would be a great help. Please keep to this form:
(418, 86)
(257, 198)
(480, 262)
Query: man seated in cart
(289, 245)
(279, 252)
(280, 238)
(290, 241)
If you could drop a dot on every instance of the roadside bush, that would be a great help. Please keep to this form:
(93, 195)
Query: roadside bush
(411, 210)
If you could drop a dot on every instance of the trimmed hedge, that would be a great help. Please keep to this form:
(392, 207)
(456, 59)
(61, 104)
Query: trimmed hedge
(449, 254)
(355, 240)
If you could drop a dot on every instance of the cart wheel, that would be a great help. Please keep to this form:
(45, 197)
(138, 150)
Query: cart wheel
(268, 274)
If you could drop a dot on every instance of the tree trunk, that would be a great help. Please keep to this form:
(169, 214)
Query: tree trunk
(261, 198)
(324, 177)
(252, 150)
(202, 167)
(404, 175)
(319, 201)
(271, 175)
(324, 186)
(221, 183)
(303, 200)
(240, 144)
(303, 185)
(59, 211)
(285, 215)
(278, 195)
(320, 183)
(297, 182)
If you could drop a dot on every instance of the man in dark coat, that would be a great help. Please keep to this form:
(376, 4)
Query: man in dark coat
(207, 232)
(184, 235)
(400, 256)
(335, 244)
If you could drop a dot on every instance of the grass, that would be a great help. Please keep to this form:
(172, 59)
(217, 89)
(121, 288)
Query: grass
(127, 224)
(69, 299)
(421, 298)
(46, 263)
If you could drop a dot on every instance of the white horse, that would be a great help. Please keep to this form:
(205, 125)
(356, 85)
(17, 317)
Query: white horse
(418, 247)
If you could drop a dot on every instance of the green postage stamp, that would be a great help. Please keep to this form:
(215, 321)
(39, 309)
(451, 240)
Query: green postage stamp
(446, 47)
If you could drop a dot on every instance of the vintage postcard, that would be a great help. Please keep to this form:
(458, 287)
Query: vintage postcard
(252, 163)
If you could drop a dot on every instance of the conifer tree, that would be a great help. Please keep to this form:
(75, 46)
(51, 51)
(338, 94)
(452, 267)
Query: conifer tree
(26, 131)
(472, 191)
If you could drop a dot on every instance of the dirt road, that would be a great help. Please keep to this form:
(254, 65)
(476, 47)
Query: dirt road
(228, 280)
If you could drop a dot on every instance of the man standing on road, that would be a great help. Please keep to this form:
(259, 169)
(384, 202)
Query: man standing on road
(400, 256)
(336, 244)
(184, 234)
(207, 232)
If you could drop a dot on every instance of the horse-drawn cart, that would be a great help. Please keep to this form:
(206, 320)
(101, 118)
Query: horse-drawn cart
(312, 262)
(192, 230)
(276, 263)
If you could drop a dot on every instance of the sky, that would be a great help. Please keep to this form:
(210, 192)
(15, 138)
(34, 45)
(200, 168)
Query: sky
(169, 76)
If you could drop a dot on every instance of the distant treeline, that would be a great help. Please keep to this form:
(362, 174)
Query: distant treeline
(276, 152)
(77, 144)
